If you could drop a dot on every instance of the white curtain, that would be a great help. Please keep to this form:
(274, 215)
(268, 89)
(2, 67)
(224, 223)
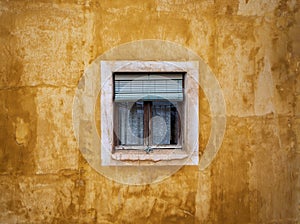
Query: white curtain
(161, 123)
(131, 124)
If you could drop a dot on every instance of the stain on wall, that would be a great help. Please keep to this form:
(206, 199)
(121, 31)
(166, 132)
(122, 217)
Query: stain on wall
(251, 46)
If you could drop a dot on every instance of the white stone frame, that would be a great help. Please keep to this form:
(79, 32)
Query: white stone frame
(189, 153)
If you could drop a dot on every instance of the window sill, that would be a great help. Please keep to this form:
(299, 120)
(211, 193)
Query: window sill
(155, 156)
(142, 147)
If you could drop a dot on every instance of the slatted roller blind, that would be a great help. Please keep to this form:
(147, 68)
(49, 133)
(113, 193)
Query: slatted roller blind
(148, 87)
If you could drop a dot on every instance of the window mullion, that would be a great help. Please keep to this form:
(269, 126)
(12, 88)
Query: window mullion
(149, 123)
(147, 126)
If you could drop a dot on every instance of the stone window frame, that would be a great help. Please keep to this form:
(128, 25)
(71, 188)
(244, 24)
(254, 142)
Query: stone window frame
(189, 153)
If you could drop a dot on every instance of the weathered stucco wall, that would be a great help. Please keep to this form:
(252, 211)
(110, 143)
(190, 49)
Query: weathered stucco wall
(253, 48)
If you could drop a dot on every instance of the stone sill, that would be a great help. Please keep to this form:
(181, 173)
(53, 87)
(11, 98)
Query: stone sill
(155, 156)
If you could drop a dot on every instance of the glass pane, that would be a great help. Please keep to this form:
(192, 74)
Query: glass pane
(131, 123)
(164, 123)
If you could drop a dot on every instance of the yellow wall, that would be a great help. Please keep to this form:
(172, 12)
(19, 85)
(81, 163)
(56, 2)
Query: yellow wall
(252, 46)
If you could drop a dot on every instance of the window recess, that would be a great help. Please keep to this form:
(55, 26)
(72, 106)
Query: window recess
(148, 111)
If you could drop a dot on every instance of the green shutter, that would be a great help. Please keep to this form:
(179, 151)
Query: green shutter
(148, 87)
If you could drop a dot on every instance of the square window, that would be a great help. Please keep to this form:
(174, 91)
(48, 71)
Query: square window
(149, 113)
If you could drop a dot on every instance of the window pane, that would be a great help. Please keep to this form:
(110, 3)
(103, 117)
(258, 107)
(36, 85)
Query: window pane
(131, 123)
(164, 123)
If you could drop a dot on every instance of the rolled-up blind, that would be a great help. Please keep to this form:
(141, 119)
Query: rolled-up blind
(148, 87)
